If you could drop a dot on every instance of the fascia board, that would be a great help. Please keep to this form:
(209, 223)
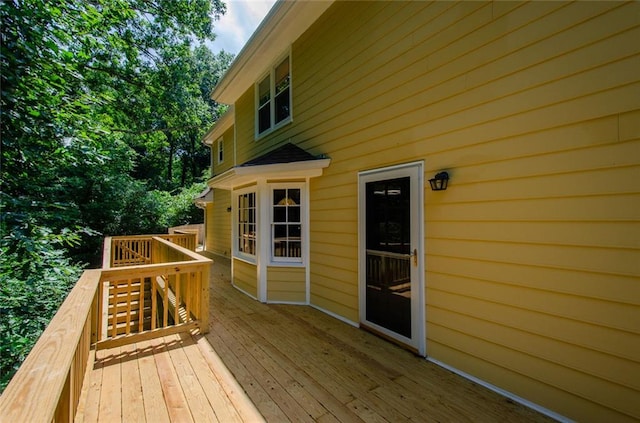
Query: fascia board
(284, 24)
(239, 176)
(219, 128)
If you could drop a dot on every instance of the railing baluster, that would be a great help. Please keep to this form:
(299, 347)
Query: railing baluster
(189, 295)
(154, 304)
(176, 311)
(165, 303)
(127, 319)
(141, 307)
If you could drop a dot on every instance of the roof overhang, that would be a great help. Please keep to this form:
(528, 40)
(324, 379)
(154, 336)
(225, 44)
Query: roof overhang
(245, 175)
(204, 198)
(220, 127)
(285, 23)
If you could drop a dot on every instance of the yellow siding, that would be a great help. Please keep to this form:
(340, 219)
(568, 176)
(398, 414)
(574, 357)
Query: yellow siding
(533, 253)
(286, 284)
(228, 143)
(245, 277)
(219, 223)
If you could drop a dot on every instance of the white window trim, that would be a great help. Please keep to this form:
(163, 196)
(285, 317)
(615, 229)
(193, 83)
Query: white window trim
(289, 261)
(241, 255)
(271, 73)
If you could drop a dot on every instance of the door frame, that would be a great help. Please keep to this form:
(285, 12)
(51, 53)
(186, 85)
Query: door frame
(414, 170)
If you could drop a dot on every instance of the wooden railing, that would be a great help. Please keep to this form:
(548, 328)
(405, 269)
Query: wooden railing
(136, 249)
(108, 307)
(387, 270)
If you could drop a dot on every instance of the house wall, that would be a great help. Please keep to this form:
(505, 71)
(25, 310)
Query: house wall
(532, 254)
(245, 277)
(218, 228)
(286, 284)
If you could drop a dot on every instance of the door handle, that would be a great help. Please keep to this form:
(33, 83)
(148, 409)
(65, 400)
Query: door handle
(415, 257)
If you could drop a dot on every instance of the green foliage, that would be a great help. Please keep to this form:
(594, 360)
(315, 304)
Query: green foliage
(35, 277)
(179, 209)
(103, 105)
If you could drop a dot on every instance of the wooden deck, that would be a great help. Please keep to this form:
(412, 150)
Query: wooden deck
(281, 363)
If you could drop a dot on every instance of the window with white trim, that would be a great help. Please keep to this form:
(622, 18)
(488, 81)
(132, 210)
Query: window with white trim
(246, 224)
(286, 224)
(220, 150)
(273, 98)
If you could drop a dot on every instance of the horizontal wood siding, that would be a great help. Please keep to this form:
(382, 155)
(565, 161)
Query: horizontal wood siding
(219, 223)
(245, 277)
(228, 143)
(286, 284)
(533, 253)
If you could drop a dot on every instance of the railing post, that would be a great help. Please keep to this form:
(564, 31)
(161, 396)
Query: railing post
(204, 299)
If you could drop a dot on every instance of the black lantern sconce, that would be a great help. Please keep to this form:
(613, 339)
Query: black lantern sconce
(439, 182)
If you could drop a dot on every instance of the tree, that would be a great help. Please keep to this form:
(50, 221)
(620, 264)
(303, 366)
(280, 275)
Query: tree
(85, 114)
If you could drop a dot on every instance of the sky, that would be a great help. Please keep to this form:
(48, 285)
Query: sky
(235, 27)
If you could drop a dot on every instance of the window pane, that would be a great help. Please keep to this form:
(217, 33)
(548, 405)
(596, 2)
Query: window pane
(294, 249)
(264, 119)
(282, 106)
(279, 195)
(279, 214)
(294, 214)
(294, 194)
(294, 231)
(280, 232)
(282, 76)
(264, 92)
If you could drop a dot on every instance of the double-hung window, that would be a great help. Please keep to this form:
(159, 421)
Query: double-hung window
(286, 224)
(274, 98)
(247, 225)
(220, 150)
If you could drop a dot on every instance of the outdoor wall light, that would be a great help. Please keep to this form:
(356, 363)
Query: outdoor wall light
(439, 182)
(229, 209)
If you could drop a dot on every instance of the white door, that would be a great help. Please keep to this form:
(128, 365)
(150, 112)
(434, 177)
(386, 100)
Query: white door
(391, 253)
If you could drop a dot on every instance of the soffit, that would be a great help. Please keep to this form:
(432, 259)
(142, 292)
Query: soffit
(286, 21)
(220, 126)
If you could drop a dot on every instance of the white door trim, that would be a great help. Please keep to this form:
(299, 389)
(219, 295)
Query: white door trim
(415, 171)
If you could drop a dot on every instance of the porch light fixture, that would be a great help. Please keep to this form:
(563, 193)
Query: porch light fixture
(439, 182)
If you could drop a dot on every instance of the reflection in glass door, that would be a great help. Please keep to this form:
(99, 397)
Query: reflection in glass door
(388, 255)
(391, 275)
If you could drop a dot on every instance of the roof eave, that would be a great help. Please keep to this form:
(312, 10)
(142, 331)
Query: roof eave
(244, 175)
(285, 22)
(220, 126)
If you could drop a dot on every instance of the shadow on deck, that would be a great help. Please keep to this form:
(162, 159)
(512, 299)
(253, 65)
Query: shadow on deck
(279, 363)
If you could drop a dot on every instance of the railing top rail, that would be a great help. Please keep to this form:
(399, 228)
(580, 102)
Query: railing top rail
(152, 269)
(121, 237)
(186, 251)
(33, 393)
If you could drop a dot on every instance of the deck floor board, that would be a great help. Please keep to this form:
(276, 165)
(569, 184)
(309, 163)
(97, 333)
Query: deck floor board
(279, 363)
(341, 373)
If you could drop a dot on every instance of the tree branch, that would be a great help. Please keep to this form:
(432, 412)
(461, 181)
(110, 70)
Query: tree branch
(148, 131)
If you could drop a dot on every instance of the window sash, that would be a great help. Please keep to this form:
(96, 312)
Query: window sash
(246, 235)
(273, 99)
(220, 151)
(286, 224)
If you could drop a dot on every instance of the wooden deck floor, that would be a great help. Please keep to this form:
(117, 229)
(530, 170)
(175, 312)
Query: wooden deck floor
(176, 378)
(290, 363)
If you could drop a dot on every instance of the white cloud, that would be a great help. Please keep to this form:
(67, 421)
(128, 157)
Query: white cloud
(235, 27)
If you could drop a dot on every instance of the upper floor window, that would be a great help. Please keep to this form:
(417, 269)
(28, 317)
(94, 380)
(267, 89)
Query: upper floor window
(274, 98)
(220, 150)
